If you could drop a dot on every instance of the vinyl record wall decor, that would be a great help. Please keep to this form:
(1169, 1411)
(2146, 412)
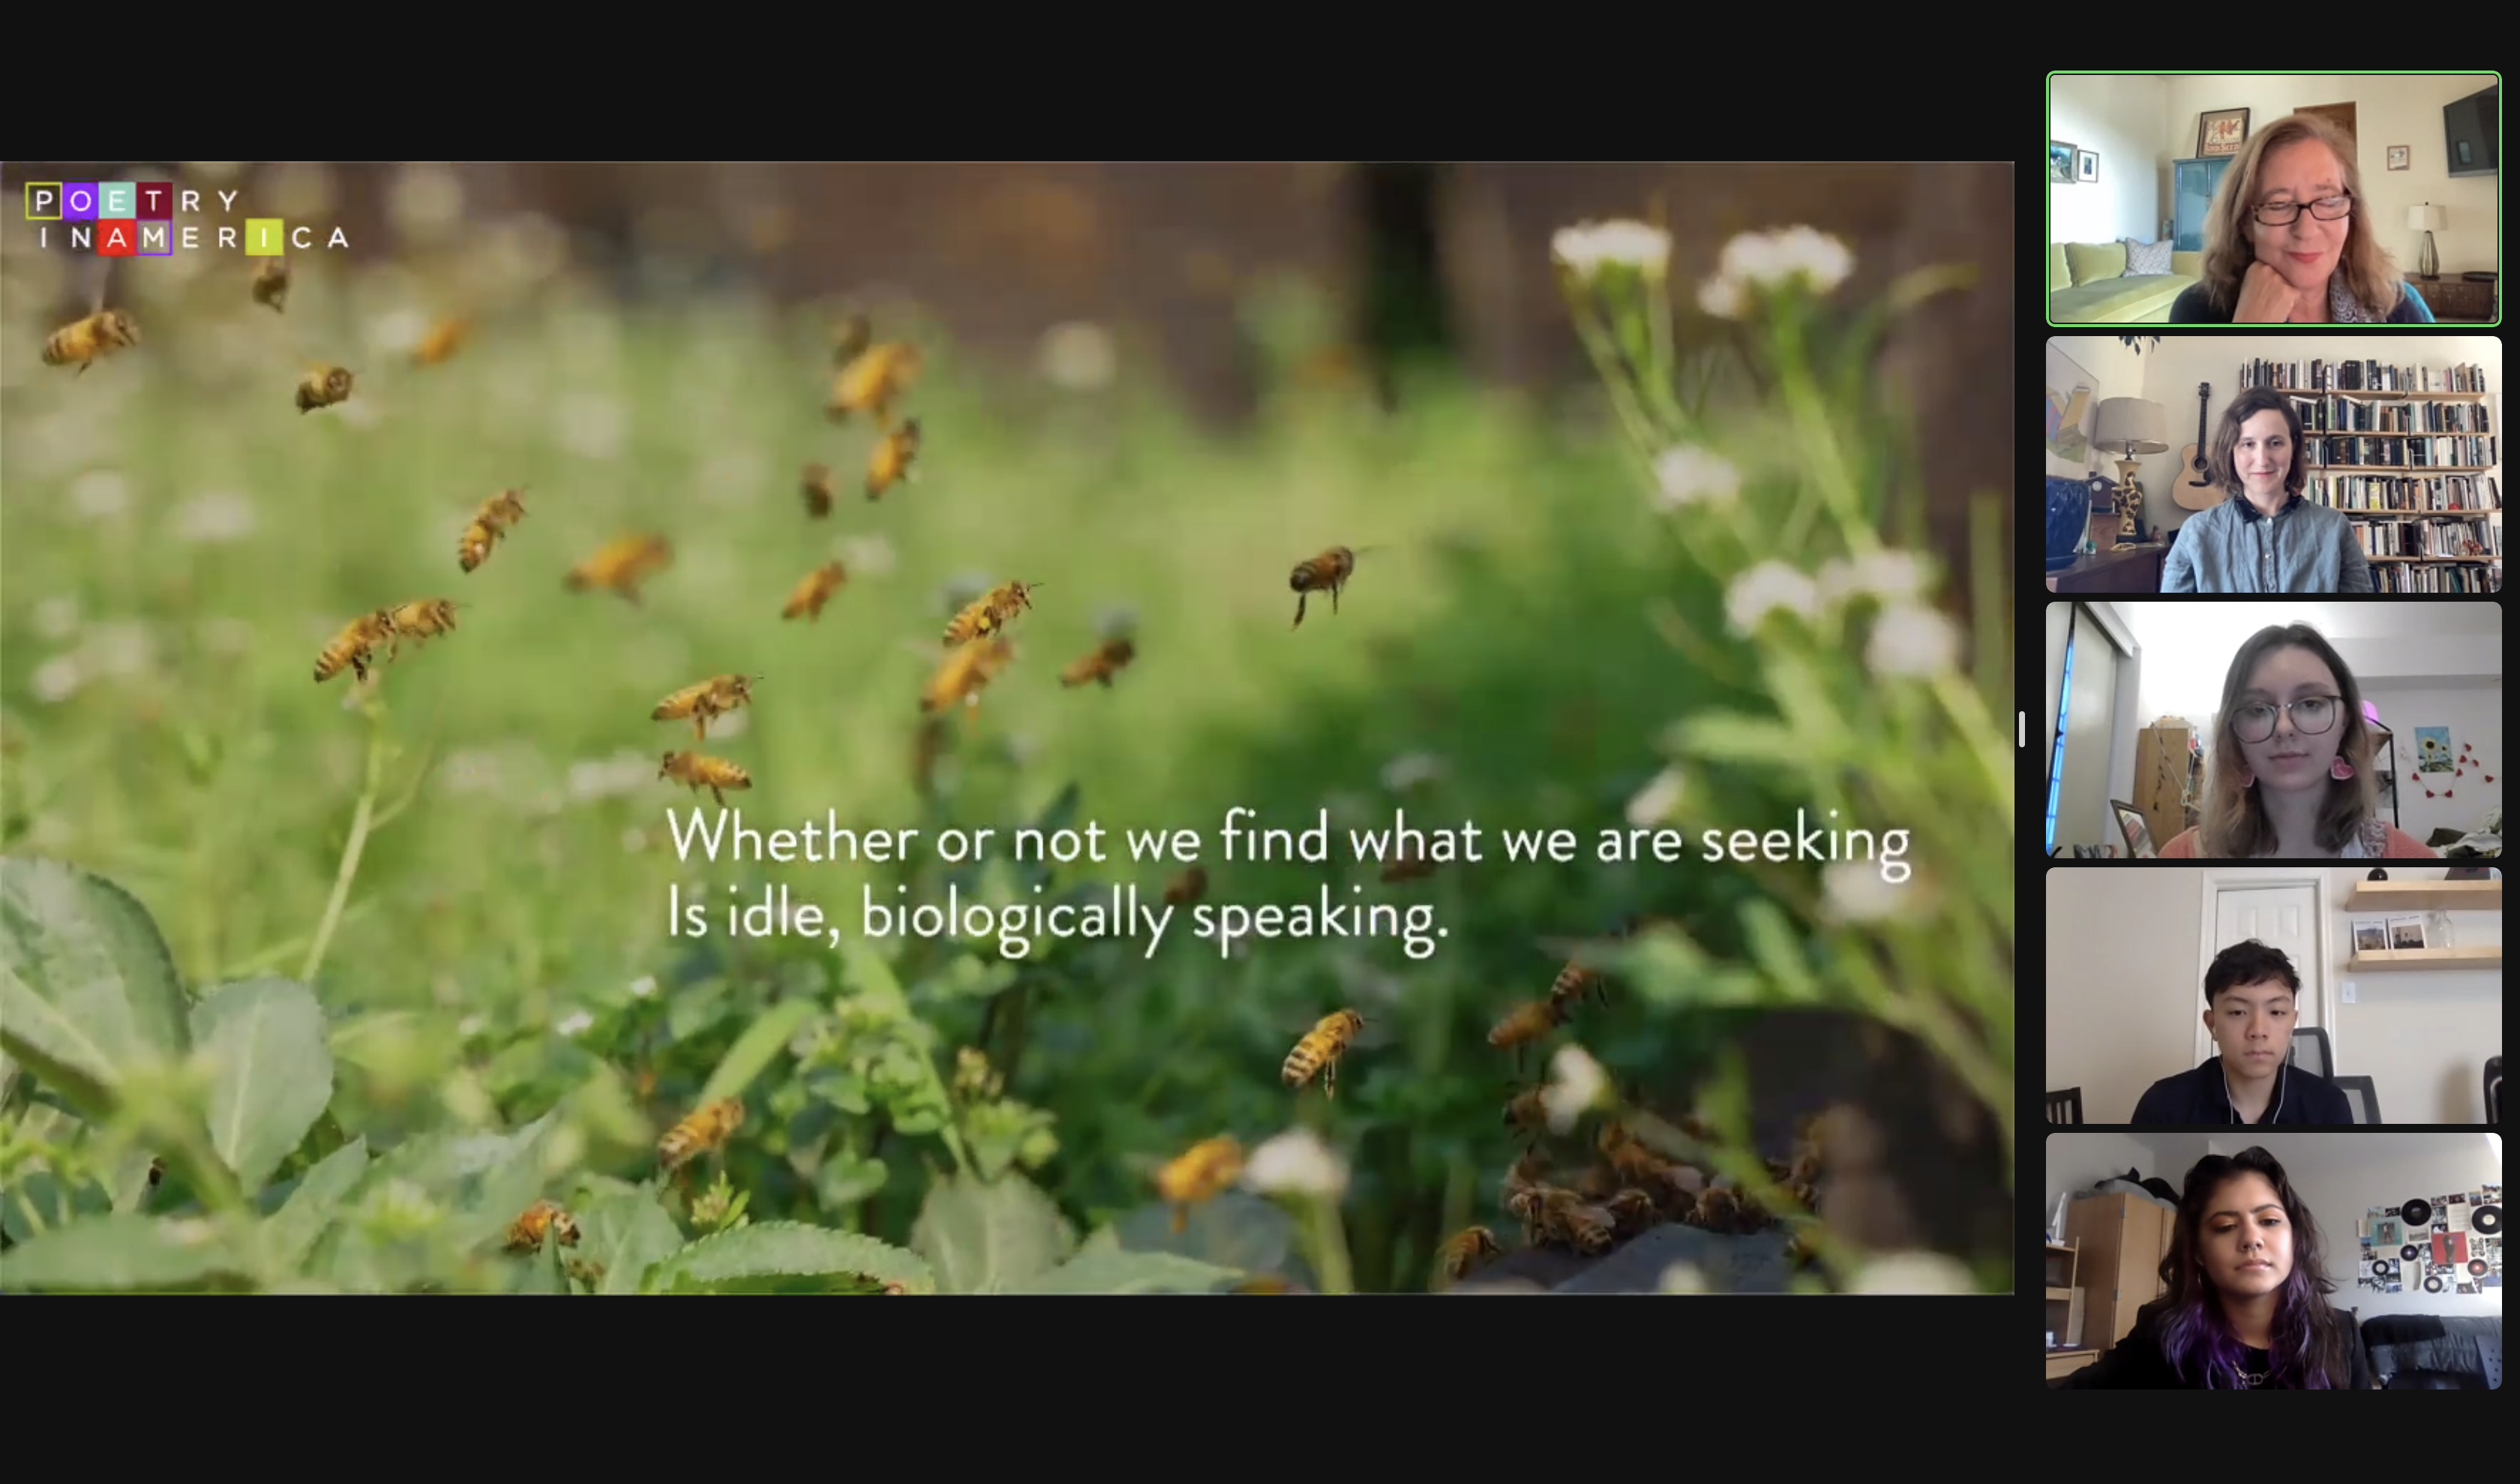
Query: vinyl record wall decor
(2434, 1243)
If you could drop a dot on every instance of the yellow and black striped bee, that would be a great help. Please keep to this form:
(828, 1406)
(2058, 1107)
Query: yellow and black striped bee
(814, 591)
(85, 341)
(1326, 573)
(497, 513)
(965, 669)
(1320, 1051)
(324, 386)
(1524, 1025)
(1185, 888)
(849, 339)
(818, 490)
(873, 380)
(525, 1233)
(889, 463)
(1460, 1252)
(705, 701)
(1200, 1172)
(1527, 1113)
(1108, 659)
(716, 775)
(1635, 1164)
(623, 565)
(354, 644)
(425, 619)
(706, 1129)
(1632, 1211)
(271, 284)
(1565, 1217)
(1573, 983)
(440, 344)
(989, 612)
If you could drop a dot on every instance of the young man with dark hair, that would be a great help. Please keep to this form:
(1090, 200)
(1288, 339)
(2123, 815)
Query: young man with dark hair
(2249, 992)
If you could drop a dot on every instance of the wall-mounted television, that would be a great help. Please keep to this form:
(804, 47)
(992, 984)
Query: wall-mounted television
(2471, 128)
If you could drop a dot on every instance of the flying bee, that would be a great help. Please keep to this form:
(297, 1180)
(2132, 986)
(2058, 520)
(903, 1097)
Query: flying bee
(1185, 888)
(497, 513)
(422, 619)
(85, 341)
(965, 672)
(813, 590)
(623, 565)
(1108, 659)
(1320, 1051)
(888, 462)
(989, 612)
(1326, 573)
(440, 344)
(1632, 1210)
(704, 772)
(271, 284)
(1565, 1218)
(353, 644)
(1573, 983)
(324, 386)
(872, 379)
(1524, 1025)
(525, 1233)
(706, 1129)
(1267, 1282)
(1202, 1173)
(849, 339)
(703, 702)
(1460, 1252)
(818, 490)
(1408, 864)
(1527, 1112)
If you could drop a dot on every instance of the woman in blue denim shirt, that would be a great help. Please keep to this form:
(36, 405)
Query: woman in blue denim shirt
(2267, 537)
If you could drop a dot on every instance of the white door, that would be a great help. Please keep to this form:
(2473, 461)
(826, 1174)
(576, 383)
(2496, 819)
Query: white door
(2282, 916)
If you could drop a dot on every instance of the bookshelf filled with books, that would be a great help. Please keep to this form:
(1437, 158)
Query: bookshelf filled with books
(2411, 456)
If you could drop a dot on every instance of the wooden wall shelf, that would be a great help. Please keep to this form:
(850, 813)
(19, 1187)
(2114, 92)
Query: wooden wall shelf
(2427, 959)
(2425, 896)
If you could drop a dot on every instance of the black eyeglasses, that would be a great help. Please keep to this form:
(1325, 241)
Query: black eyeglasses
(2326, 209)
(2311, 716)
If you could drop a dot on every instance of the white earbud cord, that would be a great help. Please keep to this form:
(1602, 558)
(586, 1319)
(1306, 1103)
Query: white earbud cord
(2231, 1105)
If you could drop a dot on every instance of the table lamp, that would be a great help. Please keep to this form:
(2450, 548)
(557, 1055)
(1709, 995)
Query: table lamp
(2129, 426)
(2427, 220)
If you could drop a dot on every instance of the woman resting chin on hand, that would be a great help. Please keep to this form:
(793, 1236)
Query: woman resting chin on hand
(2265, 299)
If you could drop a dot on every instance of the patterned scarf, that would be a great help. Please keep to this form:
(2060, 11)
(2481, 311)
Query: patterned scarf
(2341, 307)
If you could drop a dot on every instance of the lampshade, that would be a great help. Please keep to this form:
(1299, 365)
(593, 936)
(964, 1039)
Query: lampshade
(2130, 425)
(2426, 218)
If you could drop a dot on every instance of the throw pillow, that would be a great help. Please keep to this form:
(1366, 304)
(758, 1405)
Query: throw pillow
(2145, 257)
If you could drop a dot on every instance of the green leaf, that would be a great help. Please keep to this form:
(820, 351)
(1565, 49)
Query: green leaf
(1731, 737)
(986, 1239)
(869, 975)
(88, 992)
(761, 1043)
(626, 1235)
(109, 1252)
(1773, 942)
(271, 1071)
(291, 1231)
(1236, 1230)
(1123, 1272)
(785, 1249)
(1059, 813)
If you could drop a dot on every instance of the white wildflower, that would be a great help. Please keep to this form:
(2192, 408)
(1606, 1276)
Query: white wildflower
(1695, 476)
(1589, 247)
(1856, 893)
(218, 515)
(1684, 1278)
(1911, 639)
(101, 495)
(1078, 356)
(1297, 1162)
(1408, 770)
(867, 556)
(624, 772)
(1892, 577)
(1769, 588)
(471, 1026)
(119, 648)
(56, 618)
(1913, 1272)
(1576, 1085)
(1655, 802)
(643, 985)
(59, 679)
(574, 1023)
(1772, 260)
(1724, 297)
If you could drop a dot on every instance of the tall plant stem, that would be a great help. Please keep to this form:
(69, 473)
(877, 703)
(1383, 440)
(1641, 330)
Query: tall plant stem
(361, 821)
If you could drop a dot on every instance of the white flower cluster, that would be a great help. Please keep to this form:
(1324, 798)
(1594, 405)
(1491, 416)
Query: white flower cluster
(1765, 261)
(1586, 247)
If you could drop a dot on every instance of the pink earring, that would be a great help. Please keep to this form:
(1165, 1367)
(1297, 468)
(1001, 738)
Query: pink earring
(2339, 769)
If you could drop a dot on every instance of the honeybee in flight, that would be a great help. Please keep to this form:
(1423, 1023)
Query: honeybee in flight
(525, 1233)
(497, 513)
(423, 618)
(1524, 1025)
(85, 341)
(704, 772)
(818, 490)
(849, 339)
(442, 341)
(1573, 983)
(1527, 1112)
(1460, 1252)
(1326, 573)
(1108, 659)
(623, 565)
(989, 612)
(873, 380)
(965, 672)
(271, 284)
(324, 386)
(1187, 887)
(1200, 1172)
(814, 591)
(353, 645)
(705, 1129)
(708, 699)
(889, 463)
(1408, 864)
(1320, 1049)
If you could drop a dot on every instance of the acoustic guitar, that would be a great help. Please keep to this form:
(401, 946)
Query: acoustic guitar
(2196, 489)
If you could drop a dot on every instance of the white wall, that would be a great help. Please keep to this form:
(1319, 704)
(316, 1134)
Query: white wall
(2388, 110)
(2474, 717)
(2119, 118)
(2079, 1161)
(2342, 1176)
(2124, 992)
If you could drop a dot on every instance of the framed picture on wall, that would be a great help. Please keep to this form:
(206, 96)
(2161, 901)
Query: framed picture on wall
(2221, 132)
(2087, 167)
(2397, 157)
(2138, 836)
(2371, 935)
(2060, 162)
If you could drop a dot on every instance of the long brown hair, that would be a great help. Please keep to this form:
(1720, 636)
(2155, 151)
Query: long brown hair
(2373, 279)
(2235, 824)
(2224, 467)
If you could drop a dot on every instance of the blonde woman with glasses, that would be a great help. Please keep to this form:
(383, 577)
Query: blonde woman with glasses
(2289, 239)
(2289, 775)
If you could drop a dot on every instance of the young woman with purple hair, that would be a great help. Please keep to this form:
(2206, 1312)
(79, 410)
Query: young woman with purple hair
(2247, 1300)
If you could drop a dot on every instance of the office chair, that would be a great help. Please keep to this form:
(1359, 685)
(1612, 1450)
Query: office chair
(2493, 1091)
(2065, 1107)
(2363, 1097)
(2321, 1060)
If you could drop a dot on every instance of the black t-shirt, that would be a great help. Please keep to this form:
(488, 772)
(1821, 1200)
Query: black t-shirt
(2198, 1097)
(2137, 1363)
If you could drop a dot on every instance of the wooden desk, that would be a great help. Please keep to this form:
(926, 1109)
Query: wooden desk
(2454, 301)
(2064, 1363)
(2138, 569)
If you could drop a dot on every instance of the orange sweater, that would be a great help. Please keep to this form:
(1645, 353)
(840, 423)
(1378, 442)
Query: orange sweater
(2402, 846)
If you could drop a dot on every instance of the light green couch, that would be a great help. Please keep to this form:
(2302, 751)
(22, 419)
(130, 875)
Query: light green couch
(2087, 284)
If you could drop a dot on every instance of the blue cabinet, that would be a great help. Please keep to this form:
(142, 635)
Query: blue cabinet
(2192, 183)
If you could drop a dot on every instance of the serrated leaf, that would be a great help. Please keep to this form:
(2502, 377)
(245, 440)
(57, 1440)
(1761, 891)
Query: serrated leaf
(788, 1249)
(626, 1235)
(1123, 1272)
(272, 1072)
(87, 988)
(291, 1231)
(987, 1238)
(762, 1042)
(122, 1253)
